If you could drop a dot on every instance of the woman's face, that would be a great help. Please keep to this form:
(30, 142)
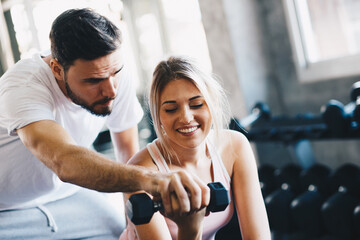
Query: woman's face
(184, 114)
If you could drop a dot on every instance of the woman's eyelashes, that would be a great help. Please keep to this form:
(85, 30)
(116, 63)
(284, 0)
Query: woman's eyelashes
(192, 106)
(170, 110)
(196, 105)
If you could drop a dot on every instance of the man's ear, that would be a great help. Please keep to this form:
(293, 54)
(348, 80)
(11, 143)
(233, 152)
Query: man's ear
(57, 69)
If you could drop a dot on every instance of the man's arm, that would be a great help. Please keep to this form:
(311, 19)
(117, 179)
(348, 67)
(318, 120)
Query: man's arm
(52, 145)
(126, 144)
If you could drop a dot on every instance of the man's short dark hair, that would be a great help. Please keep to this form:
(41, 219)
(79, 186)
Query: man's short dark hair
(82, 34)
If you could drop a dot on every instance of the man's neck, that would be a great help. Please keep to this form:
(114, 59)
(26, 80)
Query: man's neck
(46, 59)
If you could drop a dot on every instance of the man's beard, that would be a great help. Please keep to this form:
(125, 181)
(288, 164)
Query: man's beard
(90, 108)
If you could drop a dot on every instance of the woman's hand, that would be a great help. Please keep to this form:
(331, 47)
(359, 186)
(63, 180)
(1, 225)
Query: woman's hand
(190, 224)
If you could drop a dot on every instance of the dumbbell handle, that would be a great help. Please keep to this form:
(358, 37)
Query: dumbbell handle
(219, 200)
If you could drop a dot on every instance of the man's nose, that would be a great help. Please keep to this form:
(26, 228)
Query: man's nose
(109, 87)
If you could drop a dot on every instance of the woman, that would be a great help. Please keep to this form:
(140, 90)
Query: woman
(189, 114)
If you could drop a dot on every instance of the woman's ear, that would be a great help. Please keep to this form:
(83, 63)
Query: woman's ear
(57, 69)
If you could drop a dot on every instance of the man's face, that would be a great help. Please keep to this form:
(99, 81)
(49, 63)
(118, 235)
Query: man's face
(93, 84)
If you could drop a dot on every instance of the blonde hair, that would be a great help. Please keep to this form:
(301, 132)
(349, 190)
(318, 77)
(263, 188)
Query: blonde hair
(185, 68)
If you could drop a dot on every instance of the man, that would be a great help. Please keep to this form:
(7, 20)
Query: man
(51, 110)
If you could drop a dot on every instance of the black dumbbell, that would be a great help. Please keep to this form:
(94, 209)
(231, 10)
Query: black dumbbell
(357, 220)
(337, 210)
(260, 112)
(316, 176)
(336, 118)
(355, 92)
(347, 177)
(305, 208)
(288, 177)
(278, 202)
(140, 207)
(355, 97)
(267, 179)
(337, 215)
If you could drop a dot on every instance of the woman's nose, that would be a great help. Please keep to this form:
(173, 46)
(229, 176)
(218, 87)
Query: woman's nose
(186, 115)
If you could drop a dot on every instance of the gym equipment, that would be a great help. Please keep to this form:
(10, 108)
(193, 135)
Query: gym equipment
(305, 208)
(317, 176)
(278, 202)
(335, 121)
(288, 129)
(288, 177)
(346, 178)
(260, 112)
(140, 207)
(337, 215)
(337, 117)
(338, 210)
(357, 220)
(355, 92)
(355, 97)
(356, 114)
(267, 179)
(277, 205)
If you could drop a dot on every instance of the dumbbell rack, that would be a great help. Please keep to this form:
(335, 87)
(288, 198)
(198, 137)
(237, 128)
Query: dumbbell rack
(313, 209)
(292, 129)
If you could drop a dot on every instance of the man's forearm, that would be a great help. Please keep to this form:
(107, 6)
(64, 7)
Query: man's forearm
(92, 170)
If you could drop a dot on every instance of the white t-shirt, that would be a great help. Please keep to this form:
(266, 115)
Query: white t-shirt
(29, 93)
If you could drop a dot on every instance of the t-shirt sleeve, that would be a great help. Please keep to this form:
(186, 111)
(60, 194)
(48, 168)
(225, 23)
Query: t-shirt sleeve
(25, 104)
(127, 111)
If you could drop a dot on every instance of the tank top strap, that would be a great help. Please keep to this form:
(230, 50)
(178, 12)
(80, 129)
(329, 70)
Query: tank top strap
(157, 157)
(219, 169)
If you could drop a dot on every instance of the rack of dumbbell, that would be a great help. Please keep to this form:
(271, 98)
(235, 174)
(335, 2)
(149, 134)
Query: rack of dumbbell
(336, 121)
(315, 202)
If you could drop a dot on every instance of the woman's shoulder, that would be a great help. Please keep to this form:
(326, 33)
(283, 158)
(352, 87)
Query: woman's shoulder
(229, 138)
(142, 158)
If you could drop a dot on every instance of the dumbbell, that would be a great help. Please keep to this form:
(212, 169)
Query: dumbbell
(355, 97)
(357, 220)
(336, 118)
(259, 112)
(267, 179)
(305, 208)
(278, 202)
(140, 207)
(339, 117)
(337, 211)
(347, 177)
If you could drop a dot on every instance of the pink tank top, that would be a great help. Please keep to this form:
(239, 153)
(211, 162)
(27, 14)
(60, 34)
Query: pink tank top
(214, 221)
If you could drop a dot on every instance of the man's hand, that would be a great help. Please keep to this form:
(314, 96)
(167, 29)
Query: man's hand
(191, 193)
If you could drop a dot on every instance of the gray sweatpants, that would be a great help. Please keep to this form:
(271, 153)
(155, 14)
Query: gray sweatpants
(85, 215)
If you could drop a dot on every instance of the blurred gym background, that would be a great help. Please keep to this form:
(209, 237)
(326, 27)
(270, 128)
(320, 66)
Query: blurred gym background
(291, 71)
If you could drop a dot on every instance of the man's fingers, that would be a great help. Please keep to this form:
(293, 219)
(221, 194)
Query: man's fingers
(178, 186)
(204, 192)
(191, 192)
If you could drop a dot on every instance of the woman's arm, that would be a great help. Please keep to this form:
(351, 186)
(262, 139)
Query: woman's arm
(187, 226)
(126, 144)
(246, 190)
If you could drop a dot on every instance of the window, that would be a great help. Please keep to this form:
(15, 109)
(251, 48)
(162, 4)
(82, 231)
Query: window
(325, 37)
(160, 28)
(32, 20)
